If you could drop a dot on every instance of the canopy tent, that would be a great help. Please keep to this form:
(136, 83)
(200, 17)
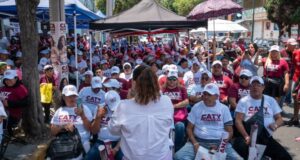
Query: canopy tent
(83, 14)
(147, 15)
(222, 26)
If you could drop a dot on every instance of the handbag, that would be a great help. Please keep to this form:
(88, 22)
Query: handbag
(46, 92)
(257, 118)
(65, 145)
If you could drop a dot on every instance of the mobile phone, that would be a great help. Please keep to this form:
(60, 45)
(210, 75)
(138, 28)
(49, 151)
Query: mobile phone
(79, 102)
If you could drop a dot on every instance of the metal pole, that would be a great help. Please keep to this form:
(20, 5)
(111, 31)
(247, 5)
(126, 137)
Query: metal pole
(253, 13)
(91, 54)
(76, 56)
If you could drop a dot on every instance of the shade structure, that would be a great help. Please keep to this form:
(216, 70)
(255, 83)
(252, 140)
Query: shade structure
(214, 8)
(147, 15)
(221, 26)
(84, 15)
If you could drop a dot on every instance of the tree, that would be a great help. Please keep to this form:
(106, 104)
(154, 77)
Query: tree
(33, 120)
(101, 5)
(123, 5)
(283, 13)
(168, 4)
(184, 7)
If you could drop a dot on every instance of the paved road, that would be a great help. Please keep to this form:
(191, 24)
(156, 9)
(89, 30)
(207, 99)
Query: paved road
(286, 136)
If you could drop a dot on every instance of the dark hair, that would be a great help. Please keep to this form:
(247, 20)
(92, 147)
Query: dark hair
(146, 87)
(255, 46)
(61, 84)
(60, 45)
(182, 61)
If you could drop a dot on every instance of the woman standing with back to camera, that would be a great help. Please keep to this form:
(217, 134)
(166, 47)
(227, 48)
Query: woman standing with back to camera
(144, 122)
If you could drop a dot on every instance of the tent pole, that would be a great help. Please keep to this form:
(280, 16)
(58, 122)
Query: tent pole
(76, 56)
(91, 54)
(190, 45)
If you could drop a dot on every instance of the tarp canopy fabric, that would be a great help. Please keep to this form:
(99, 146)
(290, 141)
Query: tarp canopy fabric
(146, 15)
(84, 15)
(222, 26)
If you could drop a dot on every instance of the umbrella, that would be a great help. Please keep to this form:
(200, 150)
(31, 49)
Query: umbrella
(214, 8)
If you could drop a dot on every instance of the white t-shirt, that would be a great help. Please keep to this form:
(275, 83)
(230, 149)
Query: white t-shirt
(191, 78)
(91, 99)
(181, 70)
(107, 73)
(196, 90)
(104, 133)
(81, 65)
(66, 115)
(2, 114)
(209, 121)
(249, 106)
(144, 129)
(127, 77)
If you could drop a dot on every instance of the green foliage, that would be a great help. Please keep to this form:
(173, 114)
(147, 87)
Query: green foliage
(101, 5)
(122, 5)
(183, 7)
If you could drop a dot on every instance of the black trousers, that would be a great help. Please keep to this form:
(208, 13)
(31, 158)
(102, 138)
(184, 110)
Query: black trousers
(47, 112)
(273, 149)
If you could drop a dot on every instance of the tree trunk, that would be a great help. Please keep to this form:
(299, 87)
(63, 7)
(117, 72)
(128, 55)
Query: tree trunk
(33, 119)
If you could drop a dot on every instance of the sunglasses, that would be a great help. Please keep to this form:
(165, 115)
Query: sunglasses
(172, 79)
(244, 77)
(205, 78)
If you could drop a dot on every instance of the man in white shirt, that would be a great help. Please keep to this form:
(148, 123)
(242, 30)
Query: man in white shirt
(208, 120)
(93, 96)
(249, 106)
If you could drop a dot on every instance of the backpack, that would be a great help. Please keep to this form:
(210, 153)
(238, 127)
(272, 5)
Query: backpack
(65, 145)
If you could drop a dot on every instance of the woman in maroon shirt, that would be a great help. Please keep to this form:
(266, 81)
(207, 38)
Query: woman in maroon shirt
(276, 73)
(179, 98)
(14, 96)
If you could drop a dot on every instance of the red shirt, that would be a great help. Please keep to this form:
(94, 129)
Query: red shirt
(177, 95)
(16, 99)
(223, 83)
(275, 69)
(82, 85)
(296, 64)
(238, 91)
(287, 56)
(227, 72)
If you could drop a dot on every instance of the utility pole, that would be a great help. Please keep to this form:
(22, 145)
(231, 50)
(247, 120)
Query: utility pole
(109, 8)
(58, 30)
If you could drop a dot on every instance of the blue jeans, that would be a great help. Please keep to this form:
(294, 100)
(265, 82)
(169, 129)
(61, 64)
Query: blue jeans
(187, 151)
(179, 135)
(95, 154)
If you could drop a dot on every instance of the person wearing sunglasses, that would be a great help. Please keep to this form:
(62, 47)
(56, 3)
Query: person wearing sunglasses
(179, 98)
(240, 89)
(195, 95)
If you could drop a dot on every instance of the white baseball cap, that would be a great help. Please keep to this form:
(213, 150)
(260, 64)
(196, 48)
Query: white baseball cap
(48, 66)
(69, 90)
(217, 62)
(292, 41)
(19, 54)
(209, 74)
(138, 61)
(274, 48)
(258, 79)
(112, 99)
(104, 61)
(173, 67)
(88, 73)
(4, 51)
(165, 68)
(96, 82)
(79, 53)
(10, 74)
(45, 51)
(246, 72)
(127, 64)
(112, 83)
(115, 69)
(212, 89)
(43, 61)
(173, 73)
